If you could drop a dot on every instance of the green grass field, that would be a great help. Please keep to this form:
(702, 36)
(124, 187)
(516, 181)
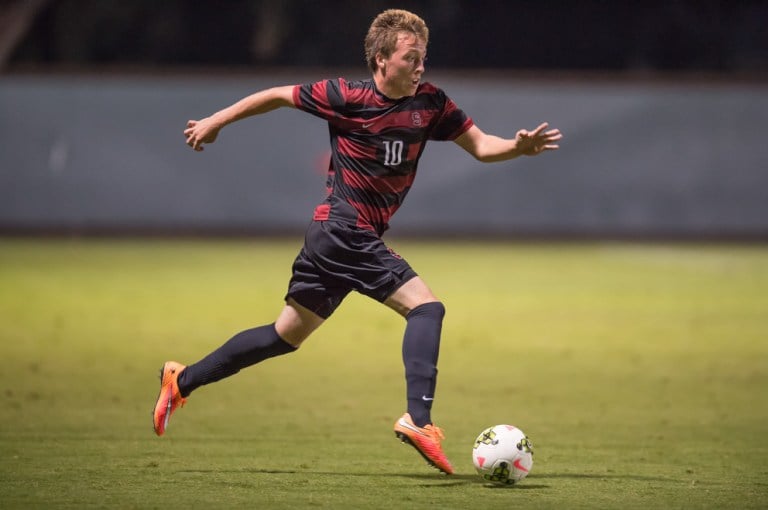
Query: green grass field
(640, 372)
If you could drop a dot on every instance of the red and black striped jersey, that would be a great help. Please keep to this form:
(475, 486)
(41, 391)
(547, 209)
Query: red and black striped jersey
(376, 143)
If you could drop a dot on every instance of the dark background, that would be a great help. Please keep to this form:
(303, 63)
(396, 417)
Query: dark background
(673, 35)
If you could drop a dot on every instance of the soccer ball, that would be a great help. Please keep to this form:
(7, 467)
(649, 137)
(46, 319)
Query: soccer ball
(503, 454)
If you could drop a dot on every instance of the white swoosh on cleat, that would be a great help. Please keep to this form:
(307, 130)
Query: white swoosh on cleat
(410, 427)
(167, 412)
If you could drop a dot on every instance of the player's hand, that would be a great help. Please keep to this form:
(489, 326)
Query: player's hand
(199, 132)
(531, 143)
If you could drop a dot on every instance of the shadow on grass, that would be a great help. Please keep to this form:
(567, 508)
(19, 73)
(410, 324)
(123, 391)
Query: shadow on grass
(606, 476)
(440, 480)
(427, 476)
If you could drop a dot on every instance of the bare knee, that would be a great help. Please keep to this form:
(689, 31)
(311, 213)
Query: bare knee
(411, 295)
(295, 323)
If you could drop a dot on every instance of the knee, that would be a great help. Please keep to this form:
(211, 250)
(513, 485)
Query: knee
(295, 323)
(292, 336)
(434, 309)
(292, 333)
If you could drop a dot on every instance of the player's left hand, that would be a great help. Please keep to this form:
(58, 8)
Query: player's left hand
(531, 143)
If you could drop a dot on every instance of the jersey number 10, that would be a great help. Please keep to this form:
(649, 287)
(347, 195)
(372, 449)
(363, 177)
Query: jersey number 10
(393, 152)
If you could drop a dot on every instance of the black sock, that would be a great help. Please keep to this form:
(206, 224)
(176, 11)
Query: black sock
(242, 350)
(421, 346)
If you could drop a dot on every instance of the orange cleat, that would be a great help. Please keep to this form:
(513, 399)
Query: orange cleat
(170, 397)
(426, 440)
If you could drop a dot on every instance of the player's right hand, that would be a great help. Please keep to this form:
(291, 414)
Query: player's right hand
(199, 132)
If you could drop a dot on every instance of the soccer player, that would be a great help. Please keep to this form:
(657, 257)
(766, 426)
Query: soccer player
(378, 130)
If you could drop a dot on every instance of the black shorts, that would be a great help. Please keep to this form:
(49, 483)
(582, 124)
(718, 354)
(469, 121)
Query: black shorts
(337, 258)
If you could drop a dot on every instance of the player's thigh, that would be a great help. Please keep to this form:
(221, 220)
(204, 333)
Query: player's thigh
(408, 296)
(295, 323)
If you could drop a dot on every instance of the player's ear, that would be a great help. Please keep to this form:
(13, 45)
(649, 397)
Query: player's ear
(381, 62)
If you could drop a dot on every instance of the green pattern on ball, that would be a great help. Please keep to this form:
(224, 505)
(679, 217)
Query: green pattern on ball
(500, 474)
(526, 446)
(486, 437)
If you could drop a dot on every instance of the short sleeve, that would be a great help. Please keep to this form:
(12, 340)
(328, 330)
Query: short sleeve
(452, 123)
(324, 99)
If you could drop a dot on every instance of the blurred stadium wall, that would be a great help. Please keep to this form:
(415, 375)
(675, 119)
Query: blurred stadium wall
(663, 106)
(106, 153)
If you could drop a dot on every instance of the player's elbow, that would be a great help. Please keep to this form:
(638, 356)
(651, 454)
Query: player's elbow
(485, 158)
(484, 151)
(476, 152)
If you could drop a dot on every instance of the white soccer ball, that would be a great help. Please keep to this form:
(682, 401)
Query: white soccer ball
(503, 454)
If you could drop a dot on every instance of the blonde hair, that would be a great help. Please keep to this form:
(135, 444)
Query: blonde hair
(384, 30)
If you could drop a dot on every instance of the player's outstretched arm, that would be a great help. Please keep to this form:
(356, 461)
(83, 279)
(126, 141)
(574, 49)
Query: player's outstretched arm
(206, 130)
(489, 148)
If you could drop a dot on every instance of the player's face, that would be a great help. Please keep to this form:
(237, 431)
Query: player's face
(401, 72)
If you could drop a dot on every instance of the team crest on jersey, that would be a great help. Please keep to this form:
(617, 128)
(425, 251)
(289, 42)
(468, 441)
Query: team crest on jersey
(416, 118)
